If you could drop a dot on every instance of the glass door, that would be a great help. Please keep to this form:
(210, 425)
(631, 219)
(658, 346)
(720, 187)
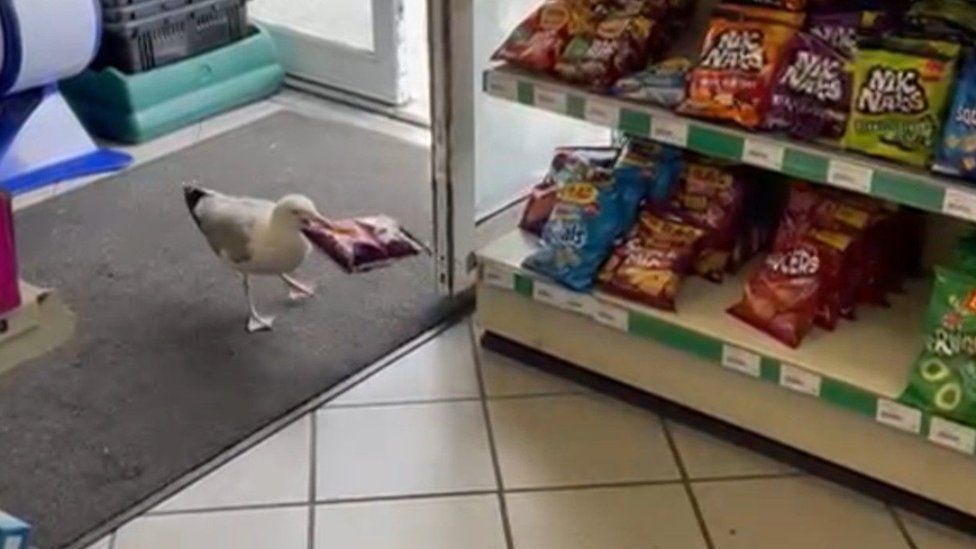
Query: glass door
(487, 153)
(356, 46)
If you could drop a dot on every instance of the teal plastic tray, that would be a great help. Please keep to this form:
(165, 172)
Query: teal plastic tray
(139, 107)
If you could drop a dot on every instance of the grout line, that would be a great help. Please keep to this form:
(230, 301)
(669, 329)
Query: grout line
(312, 476)
(448, 400)
(901, 527)
(496, 465)
(687, 484)
(229, 508)
(593, 486)
(743, 478)
(406, 497)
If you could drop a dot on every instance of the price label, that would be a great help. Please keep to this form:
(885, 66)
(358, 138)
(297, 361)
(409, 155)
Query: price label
(498, 276)
(898, 416)
(611, 316)
(550, 100)
(580, 303)
(850, 176)
(952, 435)
(672, 131)
(960, 204)
(764, 155)
(549, 294)
(799, 380)
(741, 360)
(503, 86)
(602, 114)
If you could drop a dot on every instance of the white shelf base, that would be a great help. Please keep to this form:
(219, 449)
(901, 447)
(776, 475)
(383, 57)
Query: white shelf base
(856, 442)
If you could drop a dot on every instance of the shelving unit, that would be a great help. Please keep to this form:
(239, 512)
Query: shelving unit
(819, 164)
(834, 399)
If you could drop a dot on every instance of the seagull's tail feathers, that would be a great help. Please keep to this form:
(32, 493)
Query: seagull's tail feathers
(193, 196)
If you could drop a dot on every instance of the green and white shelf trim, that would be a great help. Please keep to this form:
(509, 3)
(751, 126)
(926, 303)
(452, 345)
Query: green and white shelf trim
(745, 361)
(831, 166)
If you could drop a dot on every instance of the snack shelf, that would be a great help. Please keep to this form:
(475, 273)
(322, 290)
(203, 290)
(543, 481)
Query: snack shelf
(862, 367)
(811, 162)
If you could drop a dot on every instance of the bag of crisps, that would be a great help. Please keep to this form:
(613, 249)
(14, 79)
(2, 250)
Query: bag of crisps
(782, 297)
(711, 198)
(811, 91)
(589, 215)
(899, 99)
(791, 5)
(649, 266)
(957, 151)
(538, 40)
(661, 84)
(619, 45)
(944, 378)
(733, 79)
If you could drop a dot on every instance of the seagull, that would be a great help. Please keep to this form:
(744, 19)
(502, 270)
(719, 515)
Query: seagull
(257, 237)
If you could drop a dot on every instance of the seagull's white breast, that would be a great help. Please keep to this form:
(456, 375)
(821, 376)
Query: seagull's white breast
(275, 250)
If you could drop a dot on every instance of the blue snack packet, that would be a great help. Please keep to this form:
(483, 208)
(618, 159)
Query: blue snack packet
(589, 216)
(957, 152)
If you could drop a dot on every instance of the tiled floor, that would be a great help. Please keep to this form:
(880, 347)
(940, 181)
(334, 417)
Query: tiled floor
(452, 448)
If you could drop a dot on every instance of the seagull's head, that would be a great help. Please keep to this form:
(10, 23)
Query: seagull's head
(301, 211)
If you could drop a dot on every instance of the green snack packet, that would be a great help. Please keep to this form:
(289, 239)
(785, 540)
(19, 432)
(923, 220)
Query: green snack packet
(944, 378)
(899, 98)
(964, 254)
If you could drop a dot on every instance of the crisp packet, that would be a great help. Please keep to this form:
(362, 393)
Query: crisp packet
(661, 83)
(649, 266)
(957, 151)
(620, 45)
(812, 90)
(899, 99)
(365, 243)
(590, 214)
(734, 77)
(944, 378)
(538, 40)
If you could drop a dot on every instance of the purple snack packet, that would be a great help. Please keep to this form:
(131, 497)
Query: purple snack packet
(365, 243)
(837, 29)
(811, 91)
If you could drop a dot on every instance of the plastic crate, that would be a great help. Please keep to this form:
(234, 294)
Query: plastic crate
(140, 10)
(144, 44)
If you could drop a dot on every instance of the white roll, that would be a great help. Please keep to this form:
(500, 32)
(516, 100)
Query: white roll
(59, 39)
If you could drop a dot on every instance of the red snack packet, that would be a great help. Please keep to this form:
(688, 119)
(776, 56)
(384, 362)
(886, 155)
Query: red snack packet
(711, 198)
(538, 41)
(733, 79)
(620, 45)
(649, 266)
(541, 201)
(783, 296)
(365, 243)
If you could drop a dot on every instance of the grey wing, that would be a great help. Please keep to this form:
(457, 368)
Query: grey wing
(229, 224)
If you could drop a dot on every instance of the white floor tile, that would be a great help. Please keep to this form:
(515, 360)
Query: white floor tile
(576, 440)
(619, 518)
(506, 377)
(440, 369)
(282, 528)
(706, 457)
(400, 450)
(929, 535)
(472, 522)
(275, 471)
(794, 513)
(104, 543)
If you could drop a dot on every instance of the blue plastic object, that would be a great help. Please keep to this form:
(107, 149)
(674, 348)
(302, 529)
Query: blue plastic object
(14, 533)
(41, 139)
(42, 142)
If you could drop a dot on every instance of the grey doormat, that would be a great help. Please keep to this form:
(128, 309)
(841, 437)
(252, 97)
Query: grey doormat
(161, 376)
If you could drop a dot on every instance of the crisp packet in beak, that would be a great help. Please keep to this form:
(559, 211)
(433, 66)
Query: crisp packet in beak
(363, 244)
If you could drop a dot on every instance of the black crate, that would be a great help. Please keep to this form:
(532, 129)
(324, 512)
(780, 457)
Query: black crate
(140, 9)
(144, 44)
